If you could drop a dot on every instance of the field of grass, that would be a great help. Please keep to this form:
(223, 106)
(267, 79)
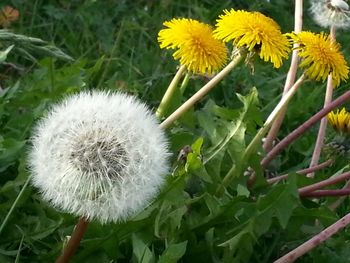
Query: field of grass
(112, 46)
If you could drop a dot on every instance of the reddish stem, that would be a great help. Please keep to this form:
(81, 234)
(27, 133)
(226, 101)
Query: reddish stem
(303, 128)
(74, 241)
(337, 203)
(302, 172)
(327, 182)
(315, 241)
(323, 125)
(291, 75)
(325, 193)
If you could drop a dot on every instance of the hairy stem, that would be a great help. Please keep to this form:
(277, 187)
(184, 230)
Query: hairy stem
(298, 24)
(303, 128)
(74, 241)
(330, 181)
(201, 93)
(315, 241)
(325, 193)
(338, 202)
(302, 172)
(323, 125)
(169, 93)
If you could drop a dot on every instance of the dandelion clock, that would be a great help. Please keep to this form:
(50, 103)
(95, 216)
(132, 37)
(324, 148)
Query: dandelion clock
(101, 156)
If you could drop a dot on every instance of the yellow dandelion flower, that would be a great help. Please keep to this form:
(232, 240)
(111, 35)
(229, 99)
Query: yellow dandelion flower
(340, 120)
(320, 57)
(254, 31)
(197, 49)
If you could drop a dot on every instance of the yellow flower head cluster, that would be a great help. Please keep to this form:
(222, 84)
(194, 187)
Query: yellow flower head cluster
(340, 120)
(320, 57)
(254, 31)
(197, 49)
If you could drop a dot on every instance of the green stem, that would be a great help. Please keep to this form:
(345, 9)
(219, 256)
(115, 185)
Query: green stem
(202, 92)
(185, 83)
(169, 93)
(14, 205)
(239, 166)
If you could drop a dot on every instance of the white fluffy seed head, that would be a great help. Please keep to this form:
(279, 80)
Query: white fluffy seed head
(98, 155)
(329, 13)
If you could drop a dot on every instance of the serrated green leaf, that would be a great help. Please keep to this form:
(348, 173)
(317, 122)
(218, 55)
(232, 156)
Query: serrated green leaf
(11, 148)
(197, 145)
(141, 251)
(242, 190)
(280, 202)
(193, 162)
(173, 253)
(236, 128)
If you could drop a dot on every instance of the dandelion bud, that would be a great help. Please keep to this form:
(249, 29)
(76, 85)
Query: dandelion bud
(329, 13)
(101, 156)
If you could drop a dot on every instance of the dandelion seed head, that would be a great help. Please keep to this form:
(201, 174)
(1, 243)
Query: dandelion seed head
(101, 156)
(329, 13)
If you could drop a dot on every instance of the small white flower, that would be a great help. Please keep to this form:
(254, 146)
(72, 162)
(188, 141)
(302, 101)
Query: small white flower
(329, 13)
(101, 156)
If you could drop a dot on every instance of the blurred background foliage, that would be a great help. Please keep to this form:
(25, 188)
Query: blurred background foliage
(114, 46)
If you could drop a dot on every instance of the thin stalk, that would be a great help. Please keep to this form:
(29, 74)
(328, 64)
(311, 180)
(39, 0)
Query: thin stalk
(237, 168)
(338, 202)
(201, 93)
(273, 115)
(169, 93)
(326, 193)
(315, 241)
(302, 172)
(114, 48)
(185, 83)
(330, 181)
(323, 125)
(303, 128)
(19, 250)
(74, 241)
(14, 205)
(298, 24)
(33, 16)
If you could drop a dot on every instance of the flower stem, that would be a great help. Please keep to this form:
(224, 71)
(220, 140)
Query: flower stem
(315, 241)
(338, 202)
(325, 193)
(74, 241)
(302, 172)
(303, 128)
(323, 125)
(298, 23)
(3, 224)
(169, 93)
(201, 93)
(237, 168)
(330, 181)
(185, 83)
